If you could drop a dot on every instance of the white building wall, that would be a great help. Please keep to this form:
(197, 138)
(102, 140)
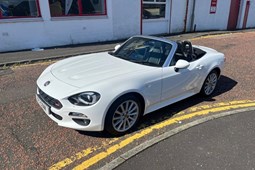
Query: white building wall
(206, 21)
(19, 34)
(26, 35)
(251, 16)
(241, 14)
(126, 16)
(178, 16)
(157, 26)
(202, 17)
(189, 28)
(122, 21)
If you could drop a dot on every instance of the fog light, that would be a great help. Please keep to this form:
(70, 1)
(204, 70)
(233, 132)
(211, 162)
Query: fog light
(77, 114)
(82, 122)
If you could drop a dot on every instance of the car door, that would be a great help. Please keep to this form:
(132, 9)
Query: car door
(177, 85)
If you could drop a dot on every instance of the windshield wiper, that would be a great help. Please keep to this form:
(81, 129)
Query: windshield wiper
(111, 52)
(145, 63)
(115, 55)
(134, 61)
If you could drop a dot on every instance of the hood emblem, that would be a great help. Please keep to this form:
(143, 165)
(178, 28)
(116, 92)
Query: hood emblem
(46, 83)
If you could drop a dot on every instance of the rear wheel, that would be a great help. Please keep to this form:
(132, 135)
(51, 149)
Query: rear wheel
(210, 83)
(123, 115)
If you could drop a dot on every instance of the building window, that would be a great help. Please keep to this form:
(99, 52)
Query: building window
(19, 8)
(77, 7)
(154, 9)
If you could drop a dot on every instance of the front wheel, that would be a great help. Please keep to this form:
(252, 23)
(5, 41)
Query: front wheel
(123, 115)
(209, 84)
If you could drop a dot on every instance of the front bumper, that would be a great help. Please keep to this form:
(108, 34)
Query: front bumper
(60, 91)
(89, 118)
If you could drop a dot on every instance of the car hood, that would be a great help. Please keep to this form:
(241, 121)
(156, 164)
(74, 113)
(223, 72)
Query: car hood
(86, 70)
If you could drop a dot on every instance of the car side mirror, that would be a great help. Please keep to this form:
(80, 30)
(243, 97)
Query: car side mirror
(116, 47)
(181, 64)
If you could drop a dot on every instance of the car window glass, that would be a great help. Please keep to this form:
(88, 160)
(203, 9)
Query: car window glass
(144, 51)
(179, 55)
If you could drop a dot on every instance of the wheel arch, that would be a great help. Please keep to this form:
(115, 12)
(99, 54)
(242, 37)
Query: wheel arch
(134, 93)
(218, 72)
(217, 69)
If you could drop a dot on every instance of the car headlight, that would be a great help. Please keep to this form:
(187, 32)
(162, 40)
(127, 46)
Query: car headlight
(84, 99)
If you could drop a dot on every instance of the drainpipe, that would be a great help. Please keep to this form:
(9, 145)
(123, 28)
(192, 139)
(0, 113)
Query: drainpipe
(186, 15)
(193, 17)
(246, 13)
(170, 17)
(141, 19)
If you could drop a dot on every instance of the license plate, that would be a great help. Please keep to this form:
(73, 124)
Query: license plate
(45, 107)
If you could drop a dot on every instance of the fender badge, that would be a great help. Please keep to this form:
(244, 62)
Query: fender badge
(46, 83)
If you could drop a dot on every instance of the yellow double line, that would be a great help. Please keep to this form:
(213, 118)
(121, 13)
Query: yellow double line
(181, 116)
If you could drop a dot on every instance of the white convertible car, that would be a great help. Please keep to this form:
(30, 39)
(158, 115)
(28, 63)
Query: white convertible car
(112, 90)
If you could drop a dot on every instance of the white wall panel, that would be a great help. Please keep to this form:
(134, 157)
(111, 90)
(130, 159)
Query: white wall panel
(251, 15)
(178, 16)
(206, 21)
(157, 26)
(126, 18)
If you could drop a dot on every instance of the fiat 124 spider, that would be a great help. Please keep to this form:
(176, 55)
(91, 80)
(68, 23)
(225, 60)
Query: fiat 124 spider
(112, 90)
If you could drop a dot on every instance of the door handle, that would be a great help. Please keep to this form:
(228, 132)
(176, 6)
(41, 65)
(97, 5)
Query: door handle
(200, 67)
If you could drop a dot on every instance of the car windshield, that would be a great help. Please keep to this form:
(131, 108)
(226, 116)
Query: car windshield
(144, 51)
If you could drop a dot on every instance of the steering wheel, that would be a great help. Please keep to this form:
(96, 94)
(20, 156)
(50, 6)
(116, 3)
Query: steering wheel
(187, 50)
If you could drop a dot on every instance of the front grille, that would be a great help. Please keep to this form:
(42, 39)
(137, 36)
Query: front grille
(49, 100)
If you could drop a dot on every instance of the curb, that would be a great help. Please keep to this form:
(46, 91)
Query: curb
(2, 65)
(129, 154)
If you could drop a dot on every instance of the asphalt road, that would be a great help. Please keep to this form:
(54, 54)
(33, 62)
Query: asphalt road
(30, 140)
(224, 143)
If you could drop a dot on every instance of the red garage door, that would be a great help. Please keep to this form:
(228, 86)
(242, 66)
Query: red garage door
(233, 14)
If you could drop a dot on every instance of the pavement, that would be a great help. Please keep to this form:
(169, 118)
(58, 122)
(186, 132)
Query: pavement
(224, 143)
(28, 56)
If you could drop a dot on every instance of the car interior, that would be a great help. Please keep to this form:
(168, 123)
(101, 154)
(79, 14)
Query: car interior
(148, 52)
(154, 53)
(158, 54)
(185, 51)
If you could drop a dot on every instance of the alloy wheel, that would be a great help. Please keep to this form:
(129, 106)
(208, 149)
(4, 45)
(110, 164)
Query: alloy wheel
(210, 83)
(125, 116)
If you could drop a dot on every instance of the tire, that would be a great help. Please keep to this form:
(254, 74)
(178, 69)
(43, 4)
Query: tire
(123, 115)
(210, 83)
